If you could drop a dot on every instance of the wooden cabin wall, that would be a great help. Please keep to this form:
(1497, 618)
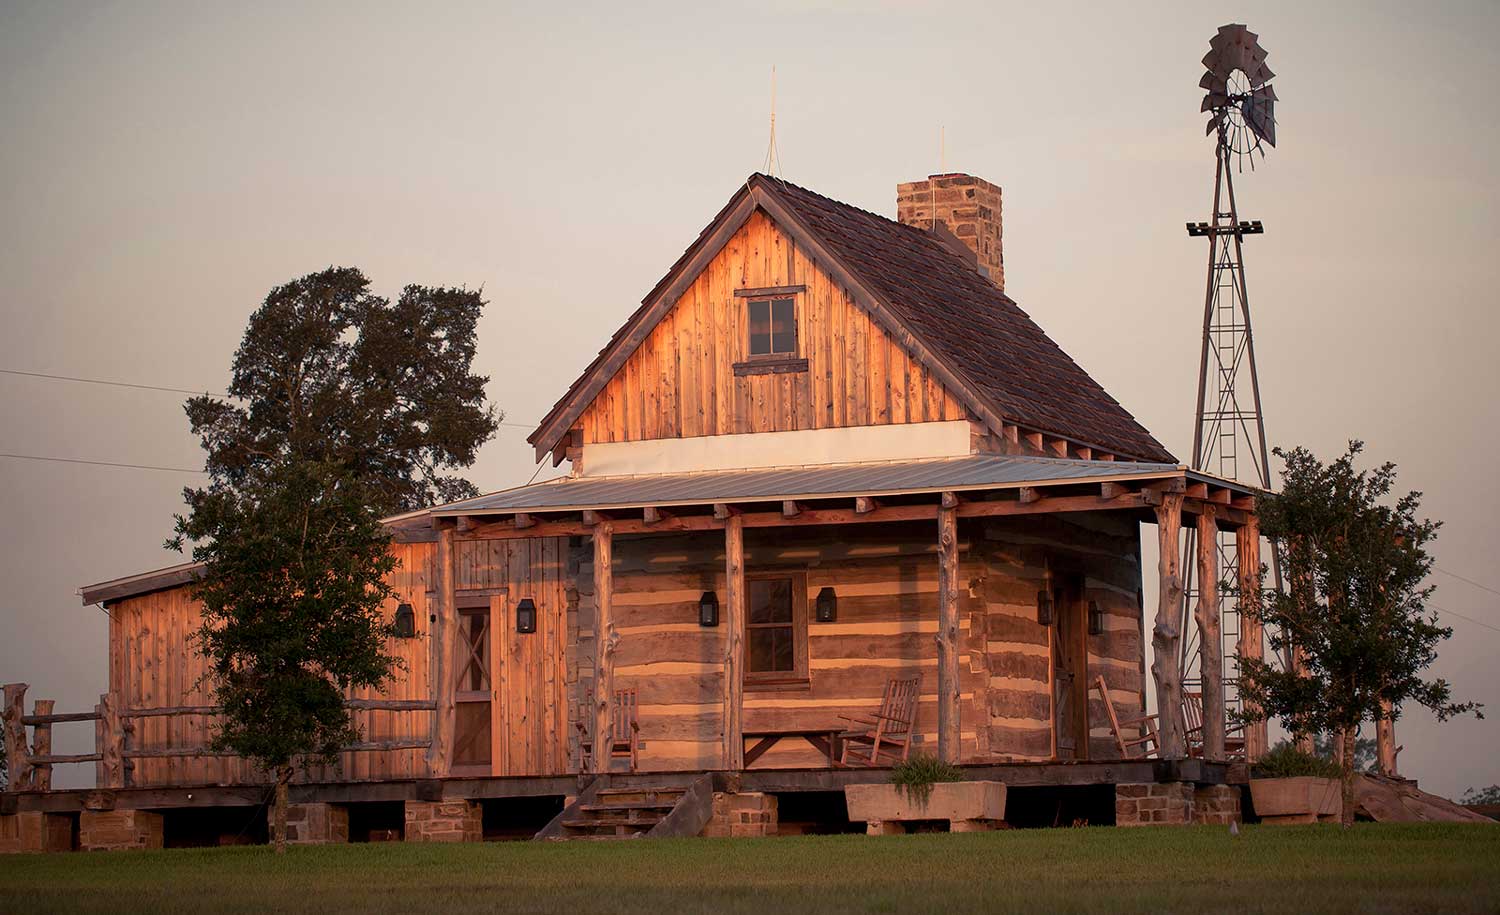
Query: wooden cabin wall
(154, 664)
(1105, 552)
(530, 727)
(681, 382)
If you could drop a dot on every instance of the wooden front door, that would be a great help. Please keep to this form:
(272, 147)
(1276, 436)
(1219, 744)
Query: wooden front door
(1070, 669)
(473, 742)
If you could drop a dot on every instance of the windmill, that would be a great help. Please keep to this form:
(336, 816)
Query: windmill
(1229, 437)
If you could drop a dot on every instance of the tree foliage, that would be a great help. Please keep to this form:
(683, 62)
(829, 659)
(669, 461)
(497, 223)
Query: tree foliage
(1355, 606)
(1476, 796)
(349, 408)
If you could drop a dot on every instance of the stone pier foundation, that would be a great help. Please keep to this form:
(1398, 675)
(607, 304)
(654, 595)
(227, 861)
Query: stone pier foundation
(444, 821)
(119, 830)
(314, 824)
(743, 814)
(1175, 804)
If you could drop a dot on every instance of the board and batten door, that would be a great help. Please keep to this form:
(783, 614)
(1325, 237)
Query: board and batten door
(531, 710)
(475, 695)
(1070, 669)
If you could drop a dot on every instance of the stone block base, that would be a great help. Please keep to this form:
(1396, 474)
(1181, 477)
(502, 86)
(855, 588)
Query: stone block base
(22, 832)
(444, 821)
(1154, 804)
(749, 814)
(118, 830)
(1218, 804)
(314, 824)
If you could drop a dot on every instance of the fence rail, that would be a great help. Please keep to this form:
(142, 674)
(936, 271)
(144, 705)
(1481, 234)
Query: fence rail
(30, 762)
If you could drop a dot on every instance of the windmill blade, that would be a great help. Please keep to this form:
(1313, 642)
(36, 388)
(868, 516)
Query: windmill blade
(1259, 111)
(1213, 82)
(1214, 100)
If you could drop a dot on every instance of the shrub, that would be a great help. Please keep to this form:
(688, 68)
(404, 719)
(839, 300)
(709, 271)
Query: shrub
(916, 775)
(1286, 761)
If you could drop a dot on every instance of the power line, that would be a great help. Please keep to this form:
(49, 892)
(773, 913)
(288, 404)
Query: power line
(155, 387)
(1462, 617)
(1467, 580)
(63, 460)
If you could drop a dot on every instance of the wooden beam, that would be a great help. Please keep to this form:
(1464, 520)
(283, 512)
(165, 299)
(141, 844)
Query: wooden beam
(1210, 644)
(524, 520)
(41, 745)
(722, 511)
(18, 767)
(1251, 642)
(949, 734)
(1111, 490)
(863, 505)
(444, 659)
(606, 642)
(653, 515)
(949, 500)
(591, 517)
(1166, 638)
(791, 508)
(110, 743)
(734, 644)
(1029, 494)
(1197, 490)
(469, 523)
(768, 291)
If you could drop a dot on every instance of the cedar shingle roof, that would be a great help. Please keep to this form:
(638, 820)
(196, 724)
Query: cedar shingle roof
(979, 329)
(980, 332)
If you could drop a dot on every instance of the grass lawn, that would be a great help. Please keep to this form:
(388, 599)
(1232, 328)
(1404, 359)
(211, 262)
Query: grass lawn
(1376, 868)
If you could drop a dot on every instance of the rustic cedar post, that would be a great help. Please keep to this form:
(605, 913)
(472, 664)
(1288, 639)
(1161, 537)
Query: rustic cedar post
(110, 740)
(1165, 638)
(16, 756)
(605, 640)
(1210, 643)
(734, 643)
(41, 744)
(1252, 639)
(444, 638)
(1385, 740)
(949, 739)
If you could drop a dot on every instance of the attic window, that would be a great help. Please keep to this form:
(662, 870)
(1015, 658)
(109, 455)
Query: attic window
(773, 327)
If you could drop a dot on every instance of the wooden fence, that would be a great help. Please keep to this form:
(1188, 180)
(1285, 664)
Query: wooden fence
(30, 763)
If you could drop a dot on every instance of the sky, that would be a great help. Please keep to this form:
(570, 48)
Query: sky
(165, 165)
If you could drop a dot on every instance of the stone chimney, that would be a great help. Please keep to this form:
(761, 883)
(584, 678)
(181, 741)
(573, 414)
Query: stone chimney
(969, 207)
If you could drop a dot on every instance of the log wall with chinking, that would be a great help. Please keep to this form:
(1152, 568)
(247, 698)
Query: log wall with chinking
(681, 382)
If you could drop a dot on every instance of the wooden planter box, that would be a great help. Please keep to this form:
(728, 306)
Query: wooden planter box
(1305, 799)
(967, 806)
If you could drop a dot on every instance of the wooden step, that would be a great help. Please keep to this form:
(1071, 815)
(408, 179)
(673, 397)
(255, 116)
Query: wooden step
(630, 805)
(648, 796)
(647, 821)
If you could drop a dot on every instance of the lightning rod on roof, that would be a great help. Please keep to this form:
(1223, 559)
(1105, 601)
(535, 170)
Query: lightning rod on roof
(772, 164)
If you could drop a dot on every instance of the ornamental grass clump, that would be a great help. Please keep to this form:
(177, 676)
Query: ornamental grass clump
(1286, 761)
(916, 775)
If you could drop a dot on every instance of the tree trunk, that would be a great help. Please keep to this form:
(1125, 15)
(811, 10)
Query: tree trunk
(278, 820)
(1347, 741)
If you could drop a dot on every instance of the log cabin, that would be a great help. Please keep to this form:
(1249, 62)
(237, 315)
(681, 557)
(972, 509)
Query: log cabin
(826, 454)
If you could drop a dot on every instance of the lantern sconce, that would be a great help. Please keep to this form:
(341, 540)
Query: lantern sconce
(525, 615)
(1044, 607)
(708, 609)
(827, 605)
(1096, 618)
(406, 622)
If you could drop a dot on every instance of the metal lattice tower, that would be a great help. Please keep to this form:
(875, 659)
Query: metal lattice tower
(1229, 436)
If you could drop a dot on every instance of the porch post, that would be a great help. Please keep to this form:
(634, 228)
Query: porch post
(15, 737)
(606, 638)
(1385, 740)
(444, 634)
(1210, 643)
(949, 739)
(1166, 638)
(734, 643)
(1252, 638)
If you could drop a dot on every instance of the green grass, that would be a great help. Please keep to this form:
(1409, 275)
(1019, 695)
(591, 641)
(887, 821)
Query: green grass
(1375, 868)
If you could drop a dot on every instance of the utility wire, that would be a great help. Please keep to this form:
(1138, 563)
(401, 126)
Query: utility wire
(154, 387)
(1462, 617)
(63, 460)
(1467, 580)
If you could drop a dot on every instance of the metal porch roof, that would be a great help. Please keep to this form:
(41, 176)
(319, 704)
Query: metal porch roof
(975, 472)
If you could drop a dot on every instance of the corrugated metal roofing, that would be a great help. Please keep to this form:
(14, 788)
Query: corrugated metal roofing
(967, 473)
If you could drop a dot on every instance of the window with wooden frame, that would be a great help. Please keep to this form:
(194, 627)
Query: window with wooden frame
(776, 627)
(773, 328)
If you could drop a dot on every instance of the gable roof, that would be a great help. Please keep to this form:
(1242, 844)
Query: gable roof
(931, 299)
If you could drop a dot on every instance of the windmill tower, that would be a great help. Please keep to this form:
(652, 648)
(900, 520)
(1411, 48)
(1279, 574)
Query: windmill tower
(1229, 436)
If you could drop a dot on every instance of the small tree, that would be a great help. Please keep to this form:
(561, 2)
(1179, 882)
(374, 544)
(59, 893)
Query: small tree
(350, 407)
(1355, 606)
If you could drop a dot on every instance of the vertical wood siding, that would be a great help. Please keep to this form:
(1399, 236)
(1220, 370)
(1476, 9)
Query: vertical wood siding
(680, 383)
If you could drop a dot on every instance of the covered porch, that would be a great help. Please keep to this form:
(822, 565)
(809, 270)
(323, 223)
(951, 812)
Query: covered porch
(742, 615)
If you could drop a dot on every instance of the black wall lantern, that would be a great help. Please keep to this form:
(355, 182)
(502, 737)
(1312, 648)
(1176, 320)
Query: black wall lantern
(1044, 607)
(827, 606)
(708, 609)
(525, 615)
(406, 622)
(1096, 618)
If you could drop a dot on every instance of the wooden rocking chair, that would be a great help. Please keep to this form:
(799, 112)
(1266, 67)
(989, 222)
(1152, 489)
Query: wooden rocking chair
(1192, 714)
(1148, 742)
(886, 732)
(627, 729)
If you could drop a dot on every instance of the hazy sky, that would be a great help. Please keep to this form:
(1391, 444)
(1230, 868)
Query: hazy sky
(163, 166)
